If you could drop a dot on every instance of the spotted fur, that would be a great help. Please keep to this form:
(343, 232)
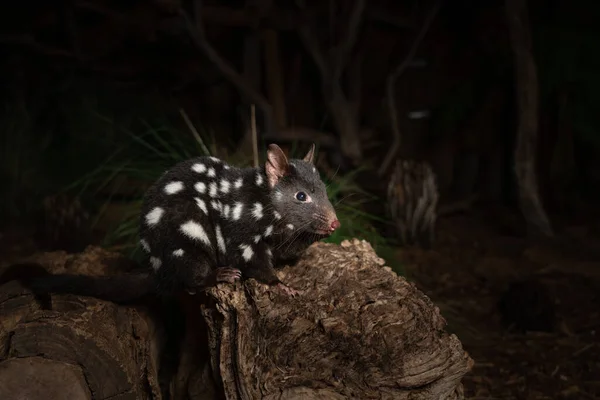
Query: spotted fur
(203, 214)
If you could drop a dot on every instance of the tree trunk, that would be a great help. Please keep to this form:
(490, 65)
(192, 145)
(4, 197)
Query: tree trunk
(527, 131)
(345, 121)
(412, 202)
(357, 330)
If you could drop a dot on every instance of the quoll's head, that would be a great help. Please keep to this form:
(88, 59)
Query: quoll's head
(299, 194)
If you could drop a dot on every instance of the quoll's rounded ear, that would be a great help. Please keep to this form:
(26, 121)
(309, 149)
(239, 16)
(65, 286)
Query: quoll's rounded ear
(310, 156)
(277, 164)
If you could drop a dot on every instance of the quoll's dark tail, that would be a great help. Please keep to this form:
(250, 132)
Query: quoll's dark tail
(118, 289)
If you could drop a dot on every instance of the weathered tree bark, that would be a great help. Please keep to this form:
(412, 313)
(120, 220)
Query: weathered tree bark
(357, 330)
(527, 131)
(83, 348)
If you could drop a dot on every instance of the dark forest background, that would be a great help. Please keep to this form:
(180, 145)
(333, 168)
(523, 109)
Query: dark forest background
(99, 97)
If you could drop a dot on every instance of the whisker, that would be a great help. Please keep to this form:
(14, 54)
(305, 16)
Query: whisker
(295, 235)
(335, 173)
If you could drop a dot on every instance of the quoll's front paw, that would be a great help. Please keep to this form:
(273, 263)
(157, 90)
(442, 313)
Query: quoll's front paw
(287, 290)
(228, 274)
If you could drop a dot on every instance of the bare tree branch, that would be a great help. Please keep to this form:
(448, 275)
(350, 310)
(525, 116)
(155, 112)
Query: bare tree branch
(391, 88)
(197, 33)
(312, 45)
(331, 71)
(355, 72)
(343, 49)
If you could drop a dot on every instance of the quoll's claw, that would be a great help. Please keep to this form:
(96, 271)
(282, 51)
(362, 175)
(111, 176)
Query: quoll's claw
(228, 274)
(288, 290)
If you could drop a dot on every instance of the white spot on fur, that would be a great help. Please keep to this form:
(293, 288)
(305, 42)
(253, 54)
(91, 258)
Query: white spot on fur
(154, 216)
(259, 179)
(238, 183)
(199, 168)
(220, 240)
(225, 186)
(278, 195)
(247, 252)
(156, 263)
(178, 252)
(237, 211)
(216, 205)
(277, 215)
(212, 189)
(215, 159)
(194, 230)
(269, 252)
(201, 204)
(200, 187)
(314, 170)
(290, 226)
(269, 230)
(226, 211)
(145, 245)
(226, 166)
(173, 187)
(257, 211)
(211, 172)
(256, 238)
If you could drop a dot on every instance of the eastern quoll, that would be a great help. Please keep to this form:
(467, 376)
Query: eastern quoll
(204, 221)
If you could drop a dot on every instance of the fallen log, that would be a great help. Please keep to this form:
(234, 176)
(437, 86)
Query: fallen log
(357, 330)
(81, 349)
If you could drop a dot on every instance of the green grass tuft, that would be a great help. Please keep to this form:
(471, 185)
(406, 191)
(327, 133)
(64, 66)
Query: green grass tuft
(137, 161)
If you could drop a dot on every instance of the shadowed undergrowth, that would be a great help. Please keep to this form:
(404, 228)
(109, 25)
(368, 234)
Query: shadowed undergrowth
(106, 146)
(138, 150)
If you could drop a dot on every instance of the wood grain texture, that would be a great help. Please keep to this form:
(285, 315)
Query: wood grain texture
(357, 331)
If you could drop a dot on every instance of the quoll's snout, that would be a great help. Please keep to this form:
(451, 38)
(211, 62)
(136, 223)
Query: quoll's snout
(334, 225)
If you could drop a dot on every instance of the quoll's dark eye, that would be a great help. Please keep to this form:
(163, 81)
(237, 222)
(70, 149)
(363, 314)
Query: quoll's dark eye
(301, 196)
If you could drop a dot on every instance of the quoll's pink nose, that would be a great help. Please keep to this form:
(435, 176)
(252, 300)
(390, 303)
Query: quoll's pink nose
(334, 225)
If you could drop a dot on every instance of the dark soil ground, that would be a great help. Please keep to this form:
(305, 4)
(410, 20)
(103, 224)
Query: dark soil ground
(470, 270)
(467, 272)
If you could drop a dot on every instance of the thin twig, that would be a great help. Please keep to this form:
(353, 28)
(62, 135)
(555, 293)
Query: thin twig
(254, 135)
(391, 85)
(192, 129)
